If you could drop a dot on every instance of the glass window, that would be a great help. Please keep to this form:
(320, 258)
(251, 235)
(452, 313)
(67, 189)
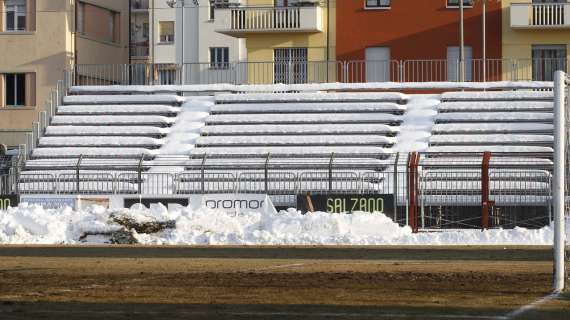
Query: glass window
(166, 31)
(15, 15)
(377, 3)
(219, 58)
(15, 89)
(455, 3)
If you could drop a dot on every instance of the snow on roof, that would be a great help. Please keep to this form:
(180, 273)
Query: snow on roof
(123, 99)
(494, 117)
(489, 106)
(356, 128)
(308, 107)
(303, 118)
(117, 109)
(498, 127)
(498, 96)
(312, 97)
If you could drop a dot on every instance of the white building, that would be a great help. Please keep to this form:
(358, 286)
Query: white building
(185, 34)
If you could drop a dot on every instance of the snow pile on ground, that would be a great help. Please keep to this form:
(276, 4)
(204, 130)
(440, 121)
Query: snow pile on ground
(31, 224)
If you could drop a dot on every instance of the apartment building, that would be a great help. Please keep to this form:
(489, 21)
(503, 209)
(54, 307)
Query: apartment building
(378, 33)
(536, 36)
(42, 38)
(287, 41)
(169, 34)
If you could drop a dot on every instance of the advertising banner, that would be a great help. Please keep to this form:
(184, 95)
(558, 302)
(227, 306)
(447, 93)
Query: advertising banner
(50, 202)
(10, 200)
(170, 203)
(234, 203)
(346, 203)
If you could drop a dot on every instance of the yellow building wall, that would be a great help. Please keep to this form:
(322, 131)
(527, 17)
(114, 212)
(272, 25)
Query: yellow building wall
(517, 43)
(261, 46)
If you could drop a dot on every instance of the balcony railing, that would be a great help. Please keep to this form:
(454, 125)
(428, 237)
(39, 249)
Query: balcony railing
(269, 19)
(141, 51)
(548, 15)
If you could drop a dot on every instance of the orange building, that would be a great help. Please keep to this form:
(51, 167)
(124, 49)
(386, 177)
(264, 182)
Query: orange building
(376, 31)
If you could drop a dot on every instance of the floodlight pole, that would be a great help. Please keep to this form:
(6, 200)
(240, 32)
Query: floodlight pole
(484, 54)
(559, 179)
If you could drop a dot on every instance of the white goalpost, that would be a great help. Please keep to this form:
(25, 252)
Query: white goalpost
(559, 178)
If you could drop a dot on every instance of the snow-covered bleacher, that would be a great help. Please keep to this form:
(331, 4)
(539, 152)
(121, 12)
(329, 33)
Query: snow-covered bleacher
(118, 140)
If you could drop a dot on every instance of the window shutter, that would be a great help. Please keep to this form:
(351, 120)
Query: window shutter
(30, 15)
(30, 89)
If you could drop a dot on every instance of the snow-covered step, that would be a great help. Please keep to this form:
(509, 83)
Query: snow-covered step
(474, 187)
(153, 109)
(498, 96)
(489, 128)
(312, 129)
(494, 117)
(491, 148)
(494, 175)
(376, 152)
(169, 99)
(496, 161)
(256, 163)
(113, 120)
(340, 107)
(304, 118)
(491, 139)
(56, 164)
(496, 106)
(319, 97)
(70, 152)
(295, 140)
(105, 130)
(101, 141)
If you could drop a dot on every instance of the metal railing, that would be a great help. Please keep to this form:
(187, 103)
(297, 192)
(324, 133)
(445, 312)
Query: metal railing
(434, 192)
(296, 72)
(540, 15)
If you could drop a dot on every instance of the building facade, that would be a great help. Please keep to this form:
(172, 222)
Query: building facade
(376, 34)
(287, 41)
(42, 38)
(536, 36)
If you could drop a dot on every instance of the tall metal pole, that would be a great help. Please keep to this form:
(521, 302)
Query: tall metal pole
(559, 179)
(484, 22)
(462, 44)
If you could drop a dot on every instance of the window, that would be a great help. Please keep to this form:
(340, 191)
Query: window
(290, 65)
(166, 31)
(15, 15)
(546, 59)
(455, 3)
(98, 23)
(15, 89)
(377, 3)
(212, 12)
(219, 58)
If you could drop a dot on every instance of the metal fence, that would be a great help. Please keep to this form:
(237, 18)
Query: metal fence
(299, 71)
(428, 194)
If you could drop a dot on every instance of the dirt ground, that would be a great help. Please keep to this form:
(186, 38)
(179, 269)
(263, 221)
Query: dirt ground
(276, 283)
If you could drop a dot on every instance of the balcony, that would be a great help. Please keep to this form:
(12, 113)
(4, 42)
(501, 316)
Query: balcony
(139, 6)
(242, 21)
(540, 16)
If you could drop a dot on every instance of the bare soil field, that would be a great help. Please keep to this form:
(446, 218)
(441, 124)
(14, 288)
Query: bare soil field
(119, 282)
